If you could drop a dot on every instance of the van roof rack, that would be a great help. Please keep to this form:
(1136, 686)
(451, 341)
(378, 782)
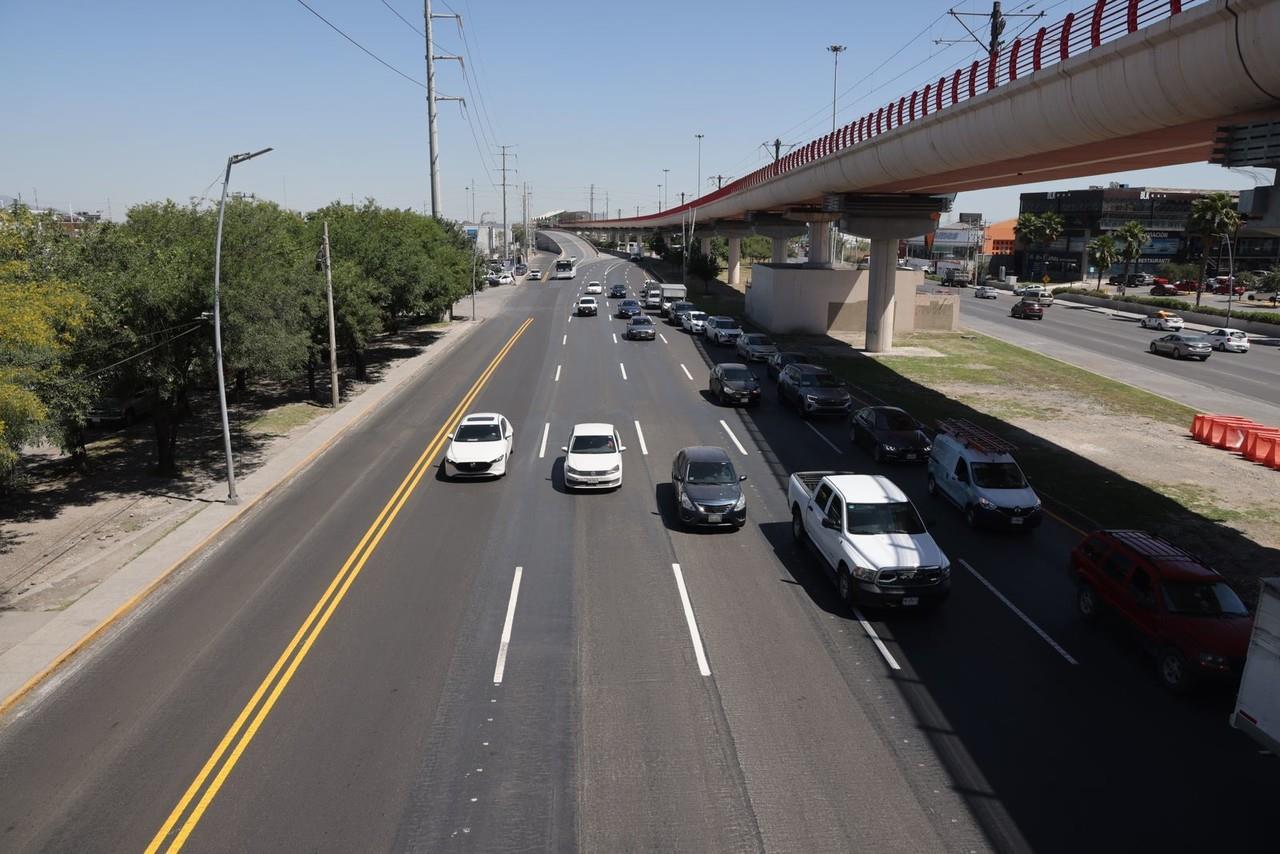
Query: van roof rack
(973, 436)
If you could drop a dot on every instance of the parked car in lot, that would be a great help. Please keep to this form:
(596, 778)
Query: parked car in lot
(641, 328)
(1182, 345)
(811, 389)
(1228, 340)
(586, 307)
(122, 408)
(1223, 288)
(722, 330)
(480, 446)
(521, 269)
(694, 322)
(985, 292)
(1180, 609)
(733, 383)
(1164, 290)
(1027, 309)
(869, 538)
(780, 360)
(708, 488)
(535, 275)
(975, 470)
(594, 288)
(675, 315)
(593, 457)
(1166, 320)
(628, 308)
(617, 291)
(889, 433)
(754, 347)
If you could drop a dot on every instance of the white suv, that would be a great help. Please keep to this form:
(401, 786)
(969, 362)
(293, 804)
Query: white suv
(723, 330)
(593, 457)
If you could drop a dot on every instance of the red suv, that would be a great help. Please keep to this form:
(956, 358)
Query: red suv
(1180, 609)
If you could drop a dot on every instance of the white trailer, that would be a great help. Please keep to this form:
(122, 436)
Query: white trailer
(1258, 701)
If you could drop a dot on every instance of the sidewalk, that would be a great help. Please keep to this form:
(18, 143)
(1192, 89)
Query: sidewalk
(34, 643)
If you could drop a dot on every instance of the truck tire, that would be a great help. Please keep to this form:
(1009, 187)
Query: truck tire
(1087, 603)
(797, 526)
(844, 585)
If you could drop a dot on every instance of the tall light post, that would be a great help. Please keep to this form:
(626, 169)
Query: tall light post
(232, 498)
(666, 182)
(698, 186)
(836, 50)
(659, 197)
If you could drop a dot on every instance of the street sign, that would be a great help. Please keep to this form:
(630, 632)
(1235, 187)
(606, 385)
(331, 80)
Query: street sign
(1045, 279)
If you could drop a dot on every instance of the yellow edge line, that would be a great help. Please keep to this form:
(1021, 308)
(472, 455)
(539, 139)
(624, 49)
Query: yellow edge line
(358, 557)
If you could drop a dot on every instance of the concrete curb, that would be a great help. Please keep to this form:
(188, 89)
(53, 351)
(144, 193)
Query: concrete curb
(30, 663)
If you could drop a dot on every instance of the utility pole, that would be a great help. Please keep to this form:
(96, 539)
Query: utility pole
(505, 241)
(592, 202)
(682, 200)
(997, 19)
(433, 141)
(637, 211)
(606, 204)
(698, 186)
(659, 197)
(333, 336)
(719, 179)
(666, 184)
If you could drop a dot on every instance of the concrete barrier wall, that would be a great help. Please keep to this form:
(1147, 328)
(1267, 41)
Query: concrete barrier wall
(787, 298)
(1271, 330)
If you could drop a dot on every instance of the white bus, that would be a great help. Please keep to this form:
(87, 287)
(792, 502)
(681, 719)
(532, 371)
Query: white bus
(566, 268)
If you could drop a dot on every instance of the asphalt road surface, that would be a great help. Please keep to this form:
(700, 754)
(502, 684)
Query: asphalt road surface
(327, 677)
(1102, 338)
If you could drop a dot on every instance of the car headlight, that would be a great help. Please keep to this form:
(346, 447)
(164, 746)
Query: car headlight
(741, 503)
(985, 504)
(890, 448)
(568, 469)
(810, 398)
(945, 567)
(1208, 659)
(686, 503)
(614, 470)
(497, 460)
(863, 573)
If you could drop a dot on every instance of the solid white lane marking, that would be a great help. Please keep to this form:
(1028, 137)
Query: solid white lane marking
(557, 373)
(564, 339)
(875, 638)
(615, 338)
(830, 444)
(686, 372)
(665, 341)
(506, 628)
(623, 368)
(733, 437)
(1015, 609)
(703, 667)
(644, 449)
(542, 451)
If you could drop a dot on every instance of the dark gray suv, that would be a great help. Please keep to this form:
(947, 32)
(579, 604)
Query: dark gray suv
(811, 389)
(708, 489)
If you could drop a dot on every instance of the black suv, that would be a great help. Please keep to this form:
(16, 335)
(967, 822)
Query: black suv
(812, 389)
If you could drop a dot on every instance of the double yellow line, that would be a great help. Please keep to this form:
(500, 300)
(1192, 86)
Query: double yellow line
(225, 755)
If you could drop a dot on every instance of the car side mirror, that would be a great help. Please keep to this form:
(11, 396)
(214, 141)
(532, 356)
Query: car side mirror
(830, 523)
(741, 478)
(450, 436)
(677, 477)
(564, 449)
(621, 448)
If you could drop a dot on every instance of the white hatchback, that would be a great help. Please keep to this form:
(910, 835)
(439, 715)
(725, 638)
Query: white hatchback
(593, 457)
(480, 446)
(1228, 340)
(595, 288)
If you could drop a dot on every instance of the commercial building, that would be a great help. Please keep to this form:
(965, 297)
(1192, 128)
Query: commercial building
(487, 237)
(1161, 211)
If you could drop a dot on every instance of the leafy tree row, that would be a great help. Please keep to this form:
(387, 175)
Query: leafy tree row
(126, 306)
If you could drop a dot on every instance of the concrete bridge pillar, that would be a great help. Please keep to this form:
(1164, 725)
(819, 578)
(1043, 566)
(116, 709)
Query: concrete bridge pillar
(705, 246)
(880, 294)
(779, 251)
(735, 260)
(820, 244)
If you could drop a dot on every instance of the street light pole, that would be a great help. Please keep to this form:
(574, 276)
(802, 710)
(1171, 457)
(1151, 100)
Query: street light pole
(666, 182)
(698, 186)
(836, 50)
(232, 498)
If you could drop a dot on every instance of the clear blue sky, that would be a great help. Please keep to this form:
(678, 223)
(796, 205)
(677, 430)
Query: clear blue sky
(134, 100)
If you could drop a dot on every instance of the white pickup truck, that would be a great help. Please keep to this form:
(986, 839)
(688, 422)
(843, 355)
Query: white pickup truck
(870, 538)
(1258, 702)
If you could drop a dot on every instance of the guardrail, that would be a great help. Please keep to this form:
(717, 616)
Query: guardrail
(1101, 22)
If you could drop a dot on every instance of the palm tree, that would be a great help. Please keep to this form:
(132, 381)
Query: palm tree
(1105, 253)
(1040, 230)
(1132, 237)
(1214, 215)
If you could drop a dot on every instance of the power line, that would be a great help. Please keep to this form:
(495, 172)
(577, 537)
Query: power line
(403, 18)
(377, 58)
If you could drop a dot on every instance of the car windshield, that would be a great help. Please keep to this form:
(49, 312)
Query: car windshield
(596, 444)
(819, 380)
(478, 433)
(758, 340)
(898, 517)
(629, 303)
(641, 321)
(1202, 599)
(737, 374)
(998, 476)
(682, 306)
(719, 472)
(725, 324)
(899, 421)
(697, 315)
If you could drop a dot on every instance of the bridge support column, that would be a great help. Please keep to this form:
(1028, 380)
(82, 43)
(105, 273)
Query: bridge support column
(735, 260)
(880, 301)
(820, 244)
(779, 251)
(704, 246)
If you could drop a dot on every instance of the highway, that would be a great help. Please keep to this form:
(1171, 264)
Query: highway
(1116, 346)
(380, 659)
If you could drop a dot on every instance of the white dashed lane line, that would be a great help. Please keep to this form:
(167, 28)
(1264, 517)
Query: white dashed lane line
(875, 639)
(623, 368)
(830, 444)
(615, 338)
(698, 652)
(501, 665)
(557, 373)
(564, 340)
(686, 373)
(1018, 611)
(736, 443)
(665, 341)
(542, 451)
(644, 449)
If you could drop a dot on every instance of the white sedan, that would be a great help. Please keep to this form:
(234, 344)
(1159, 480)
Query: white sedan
(1164, 321)
(480, 447)
(595, 288)
(694, 322)
(593, 457)
(506, 279)
(1228, 340)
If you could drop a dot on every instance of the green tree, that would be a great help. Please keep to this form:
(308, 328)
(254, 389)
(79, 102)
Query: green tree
(757, 247)
(1104, 253)
(1213, 216)
(1132, 237)
(1039, 230)
(705, 267)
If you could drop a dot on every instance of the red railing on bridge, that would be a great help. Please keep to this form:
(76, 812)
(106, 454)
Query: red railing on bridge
(1079, 32)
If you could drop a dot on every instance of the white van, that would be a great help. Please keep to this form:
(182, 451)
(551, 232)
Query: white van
(974, 469)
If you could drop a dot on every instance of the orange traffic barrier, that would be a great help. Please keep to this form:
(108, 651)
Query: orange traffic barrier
(1233, 435)
(1219, 429)
(1198, 424)
(1266, 449)
(1251, 436)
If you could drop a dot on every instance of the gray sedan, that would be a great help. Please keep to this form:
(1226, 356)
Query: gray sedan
(754, 347)
(1183, 345)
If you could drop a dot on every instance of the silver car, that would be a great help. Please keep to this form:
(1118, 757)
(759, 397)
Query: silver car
(985, 292)
(1182, 345)
(754, 347)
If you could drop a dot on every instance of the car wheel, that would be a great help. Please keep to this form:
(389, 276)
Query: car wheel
(1173, 671)
(1087, 603)
(797, 526)
(931, 486)
(844, 584)
(1152, 348)
(971, 516)
(877, 454)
